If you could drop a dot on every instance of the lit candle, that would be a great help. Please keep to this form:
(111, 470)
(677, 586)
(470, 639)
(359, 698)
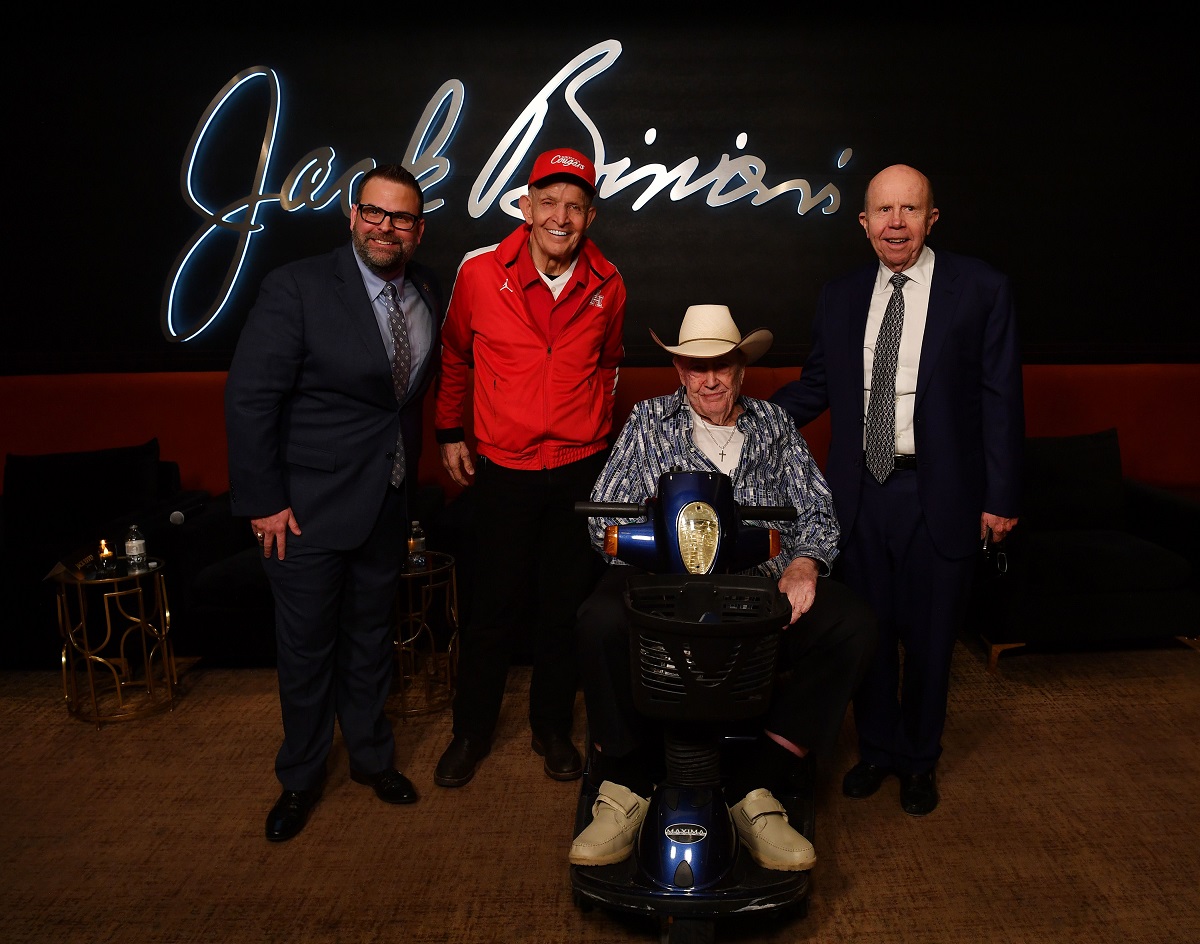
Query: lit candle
(106, 555)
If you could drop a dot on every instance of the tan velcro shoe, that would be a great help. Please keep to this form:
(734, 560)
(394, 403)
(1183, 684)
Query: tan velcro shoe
(617, 815)
(762, 825)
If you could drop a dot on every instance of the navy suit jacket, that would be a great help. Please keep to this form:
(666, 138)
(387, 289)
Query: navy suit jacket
(969, 419)
(310, 409)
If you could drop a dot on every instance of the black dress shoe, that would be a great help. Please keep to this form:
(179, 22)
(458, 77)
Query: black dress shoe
(918, 793)
(562, 760)
(290, 813)
(390, 785)
(459, 761)
(863, 779)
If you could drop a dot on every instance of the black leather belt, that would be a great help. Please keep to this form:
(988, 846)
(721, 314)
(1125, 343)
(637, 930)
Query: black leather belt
(903, 463)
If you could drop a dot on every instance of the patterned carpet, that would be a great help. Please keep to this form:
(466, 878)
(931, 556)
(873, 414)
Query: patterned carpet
(1068, 814)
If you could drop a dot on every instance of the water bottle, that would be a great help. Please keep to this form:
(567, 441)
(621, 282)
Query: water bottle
(416, 547)
(135, 548)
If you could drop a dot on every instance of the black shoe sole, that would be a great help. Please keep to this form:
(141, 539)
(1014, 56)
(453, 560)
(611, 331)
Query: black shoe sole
(396, 801)
(862, 792)
(285, 835)
(560, 775)
(442, 780)
(453, 781)
(922, 807)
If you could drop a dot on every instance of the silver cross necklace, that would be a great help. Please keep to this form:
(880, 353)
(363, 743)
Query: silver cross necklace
(709, 429)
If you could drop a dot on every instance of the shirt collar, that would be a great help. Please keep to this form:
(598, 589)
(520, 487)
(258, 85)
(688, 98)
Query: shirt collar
(374, 283)
(528, 273)
(920, 271)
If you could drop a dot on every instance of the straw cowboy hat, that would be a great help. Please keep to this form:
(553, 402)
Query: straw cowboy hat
(709, 331)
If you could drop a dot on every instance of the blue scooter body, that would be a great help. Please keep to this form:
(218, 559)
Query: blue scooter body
(702, 658)
(687, 842)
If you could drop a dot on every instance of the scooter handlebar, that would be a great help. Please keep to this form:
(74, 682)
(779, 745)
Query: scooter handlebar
(624, 510)
(610, 509)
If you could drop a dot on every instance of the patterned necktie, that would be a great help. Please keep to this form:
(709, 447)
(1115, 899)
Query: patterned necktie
(881, 408)
(401, 364)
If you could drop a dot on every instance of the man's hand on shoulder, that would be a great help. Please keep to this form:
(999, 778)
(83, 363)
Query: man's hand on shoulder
(799, 583)
(456, 458)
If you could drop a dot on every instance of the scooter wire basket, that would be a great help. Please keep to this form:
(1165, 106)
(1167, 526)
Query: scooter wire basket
(703, 648)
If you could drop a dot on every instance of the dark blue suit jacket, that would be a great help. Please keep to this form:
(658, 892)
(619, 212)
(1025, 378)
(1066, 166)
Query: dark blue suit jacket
(969, 420)
(310, 410)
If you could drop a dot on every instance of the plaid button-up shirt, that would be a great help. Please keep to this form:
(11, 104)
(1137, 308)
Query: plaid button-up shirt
(775, 468)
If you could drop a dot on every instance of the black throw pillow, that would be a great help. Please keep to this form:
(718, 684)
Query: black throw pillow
(1073, 482)
(54, 502)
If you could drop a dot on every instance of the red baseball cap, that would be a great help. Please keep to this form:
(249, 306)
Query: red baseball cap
(564, 162)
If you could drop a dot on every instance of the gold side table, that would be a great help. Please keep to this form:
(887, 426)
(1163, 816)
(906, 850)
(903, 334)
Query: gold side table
(123, 667)
(426, 666)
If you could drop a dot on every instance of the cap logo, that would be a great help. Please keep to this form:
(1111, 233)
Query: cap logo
(568, 161)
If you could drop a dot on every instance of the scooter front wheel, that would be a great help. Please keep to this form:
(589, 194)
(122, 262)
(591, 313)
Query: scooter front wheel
(677, 930)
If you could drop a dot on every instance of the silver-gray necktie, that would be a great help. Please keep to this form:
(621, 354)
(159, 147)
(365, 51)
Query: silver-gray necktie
(881, 408)
(401, 364)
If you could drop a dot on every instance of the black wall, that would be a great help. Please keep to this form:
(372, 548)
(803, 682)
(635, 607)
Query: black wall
(1057, 152)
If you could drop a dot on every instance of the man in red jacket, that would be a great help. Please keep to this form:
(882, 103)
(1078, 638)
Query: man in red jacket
(539, 320)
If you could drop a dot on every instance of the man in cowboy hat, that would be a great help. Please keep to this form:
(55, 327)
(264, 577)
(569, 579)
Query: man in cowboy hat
(707, 424)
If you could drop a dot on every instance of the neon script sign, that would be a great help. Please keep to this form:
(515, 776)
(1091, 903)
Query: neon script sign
(311, 184)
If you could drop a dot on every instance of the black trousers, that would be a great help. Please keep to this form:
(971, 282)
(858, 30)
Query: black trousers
(822, 658)
(532, 554)
(921, 599)
(335, 632)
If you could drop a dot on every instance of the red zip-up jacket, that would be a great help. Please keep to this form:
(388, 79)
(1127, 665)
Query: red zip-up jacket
(536, 404)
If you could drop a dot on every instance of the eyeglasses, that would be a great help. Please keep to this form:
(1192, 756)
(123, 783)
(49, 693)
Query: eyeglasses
(376, 215)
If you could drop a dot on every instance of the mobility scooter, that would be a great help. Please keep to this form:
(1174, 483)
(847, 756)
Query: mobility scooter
(702, 657)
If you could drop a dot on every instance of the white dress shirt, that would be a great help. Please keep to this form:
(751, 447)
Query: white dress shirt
(916, 307)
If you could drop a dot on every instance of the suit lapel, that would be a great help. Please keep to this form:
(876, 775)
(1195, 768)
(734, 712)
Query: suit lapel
(361, 313)
(420, 281)
(944, 293)
(856, 323)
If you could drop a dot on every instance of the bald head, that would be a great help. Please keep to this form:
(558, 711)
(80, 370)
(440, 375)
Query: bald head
(898, 214)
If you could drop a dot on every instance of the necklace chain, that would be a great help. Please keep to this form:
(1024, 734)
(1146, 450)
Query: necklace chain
(720, 446)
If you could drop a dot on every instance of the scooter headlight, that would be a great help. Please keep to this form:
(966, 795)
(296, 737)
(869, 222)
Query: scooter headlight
(699, 533)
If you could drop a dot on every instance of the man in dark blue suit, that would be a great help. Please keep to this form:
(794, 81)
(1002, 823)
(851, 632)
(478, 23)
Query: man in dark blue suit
(949, 468)
(323, 416)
